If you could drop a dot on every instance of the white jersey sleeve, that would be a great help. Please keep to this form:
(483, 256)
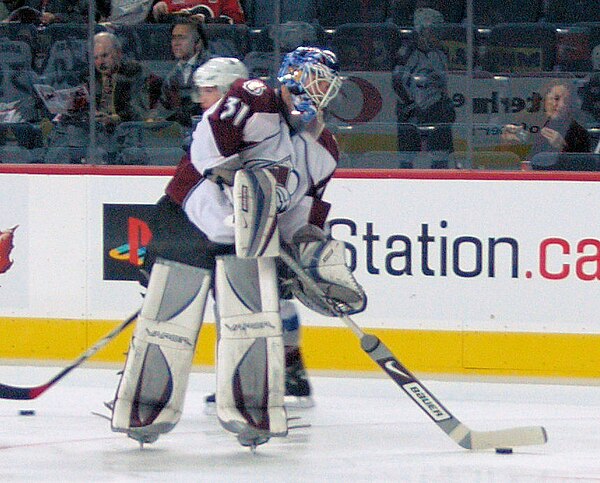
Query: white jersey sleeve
(314, 165)
(247, 123)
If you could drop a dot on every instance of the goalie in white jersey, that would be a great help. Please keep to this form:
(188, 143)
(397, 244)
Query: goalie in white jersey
(246, 190)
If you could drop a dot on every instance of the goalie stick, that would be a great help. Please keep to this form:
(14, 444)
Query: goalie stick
(26, 393)
(399, 373)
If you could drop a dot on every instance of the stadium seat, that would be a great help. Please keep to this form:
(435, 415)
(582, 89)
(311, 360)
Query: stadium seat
(263, 65)
(289, 35)
(138, 134)
(593, 32)
(260, 13)
(74, 155)
(493, 12)
(521, 48)
(146, 42)
(349, 160)
(453, 10)
(70, 34)
(490, 160)
(433, 160)
(228, 40)
(566, 162)
(15, 55)
(333, 13)
(563, 12)
(409, 137)
(437, 137)
(23, 134)
(594, 133)
(402, 12)
(16, 81)
(386, 160)
(366, 47)
(164, 156)
(573, 49)
(26, 33)
(66, 64)
(15, 155)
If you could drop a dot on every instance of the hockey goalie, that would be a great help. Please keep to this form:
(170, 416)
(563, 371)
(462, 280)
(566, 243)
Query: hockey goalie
(252, 186)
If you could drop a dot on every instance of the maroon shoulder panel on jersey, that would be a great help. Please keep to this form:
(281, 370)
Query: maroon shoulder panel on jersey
(185, 178)
(244, 99)
(327, 140)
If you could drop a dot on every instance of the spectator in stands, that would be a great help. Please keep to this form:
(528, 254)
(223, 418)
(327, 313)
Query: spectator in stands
(596, 58)
(124, 92)
(560, 132)
(45, 12)
(590, 97)
(217, 11)
(590, 92)
(420, 81)
(188, 44)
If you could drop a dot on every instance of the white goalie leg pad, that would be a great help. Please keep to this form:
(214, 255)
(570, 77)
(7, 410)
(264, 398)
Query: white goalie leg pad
(255, 213)
(250, 355)
(151, 392)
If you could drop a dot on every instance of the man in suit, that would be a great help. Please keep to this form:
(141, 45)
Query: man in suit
(189, 47)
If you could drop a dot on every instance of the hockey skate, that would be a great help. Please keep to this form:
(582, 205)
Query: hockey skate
(297, 387)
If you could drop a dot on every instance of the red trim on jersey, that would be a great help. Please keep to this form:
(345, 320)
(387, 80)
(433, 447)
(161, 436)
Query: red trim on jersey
(244, 99)
(327, 140)
(185, 178)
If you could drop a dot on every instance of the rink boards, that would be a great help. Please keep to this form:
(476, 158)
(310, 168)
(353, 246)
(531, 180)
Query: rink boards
(466, 272)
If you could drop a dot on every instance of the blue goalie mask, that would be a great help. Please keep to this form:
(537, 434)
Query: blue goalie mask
(312, 77)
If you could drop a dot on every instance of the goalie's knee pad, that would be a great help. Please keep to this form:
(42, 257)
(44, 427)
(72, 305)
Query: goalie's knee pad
(250, 356)
(151, 392)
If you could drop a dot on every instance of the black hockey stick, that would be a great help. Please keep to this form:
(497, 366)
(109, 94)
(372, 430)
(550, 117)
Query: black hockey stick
(13, 392)
(399, 373)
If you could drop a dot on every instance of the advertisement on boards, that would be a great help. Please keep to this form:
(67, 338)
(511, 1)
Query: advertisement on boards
(14, 244)
(368, 97)
(125, 236)
(484, 256)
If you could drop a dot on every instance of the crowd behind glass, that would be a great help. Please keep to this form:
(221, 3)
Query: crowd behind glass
(511, 85)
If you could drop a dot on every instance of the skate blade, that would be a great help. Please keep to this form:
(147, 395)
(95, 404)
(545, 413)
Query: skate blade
(298, 402)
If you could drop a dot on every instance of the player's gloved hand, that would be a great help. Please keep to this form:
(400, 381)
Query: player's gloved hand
(323, 260)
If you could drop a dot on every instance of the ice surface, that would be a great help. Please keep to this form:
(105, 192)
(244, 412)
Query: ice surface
(361, 429)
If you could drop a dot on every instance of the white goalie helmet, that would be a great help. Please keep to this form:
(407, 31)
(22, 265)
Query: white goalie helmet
(220, 72)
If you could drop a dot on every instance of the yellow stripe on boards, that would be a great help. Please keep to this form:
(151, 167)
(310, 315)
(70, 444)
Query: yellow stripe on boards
(337, 349)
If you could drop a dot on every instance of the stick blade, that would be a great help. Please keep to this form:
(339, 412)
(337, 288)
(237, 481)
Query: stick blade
(19, 393)
(505, 438)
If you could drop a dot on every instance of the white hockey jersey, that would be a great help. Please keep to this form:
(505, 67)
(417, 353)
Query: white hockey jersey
(248, 123)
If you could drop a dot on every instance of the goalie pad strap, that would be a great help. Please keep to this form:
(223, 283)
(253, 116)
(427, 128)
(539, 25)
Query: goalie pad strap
(151, 391)
(255, 213)
(250, 357)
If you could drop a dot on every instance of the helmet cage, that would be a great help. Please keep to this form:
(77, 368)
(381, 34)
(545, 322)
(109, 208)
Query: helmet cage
(303, 72)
